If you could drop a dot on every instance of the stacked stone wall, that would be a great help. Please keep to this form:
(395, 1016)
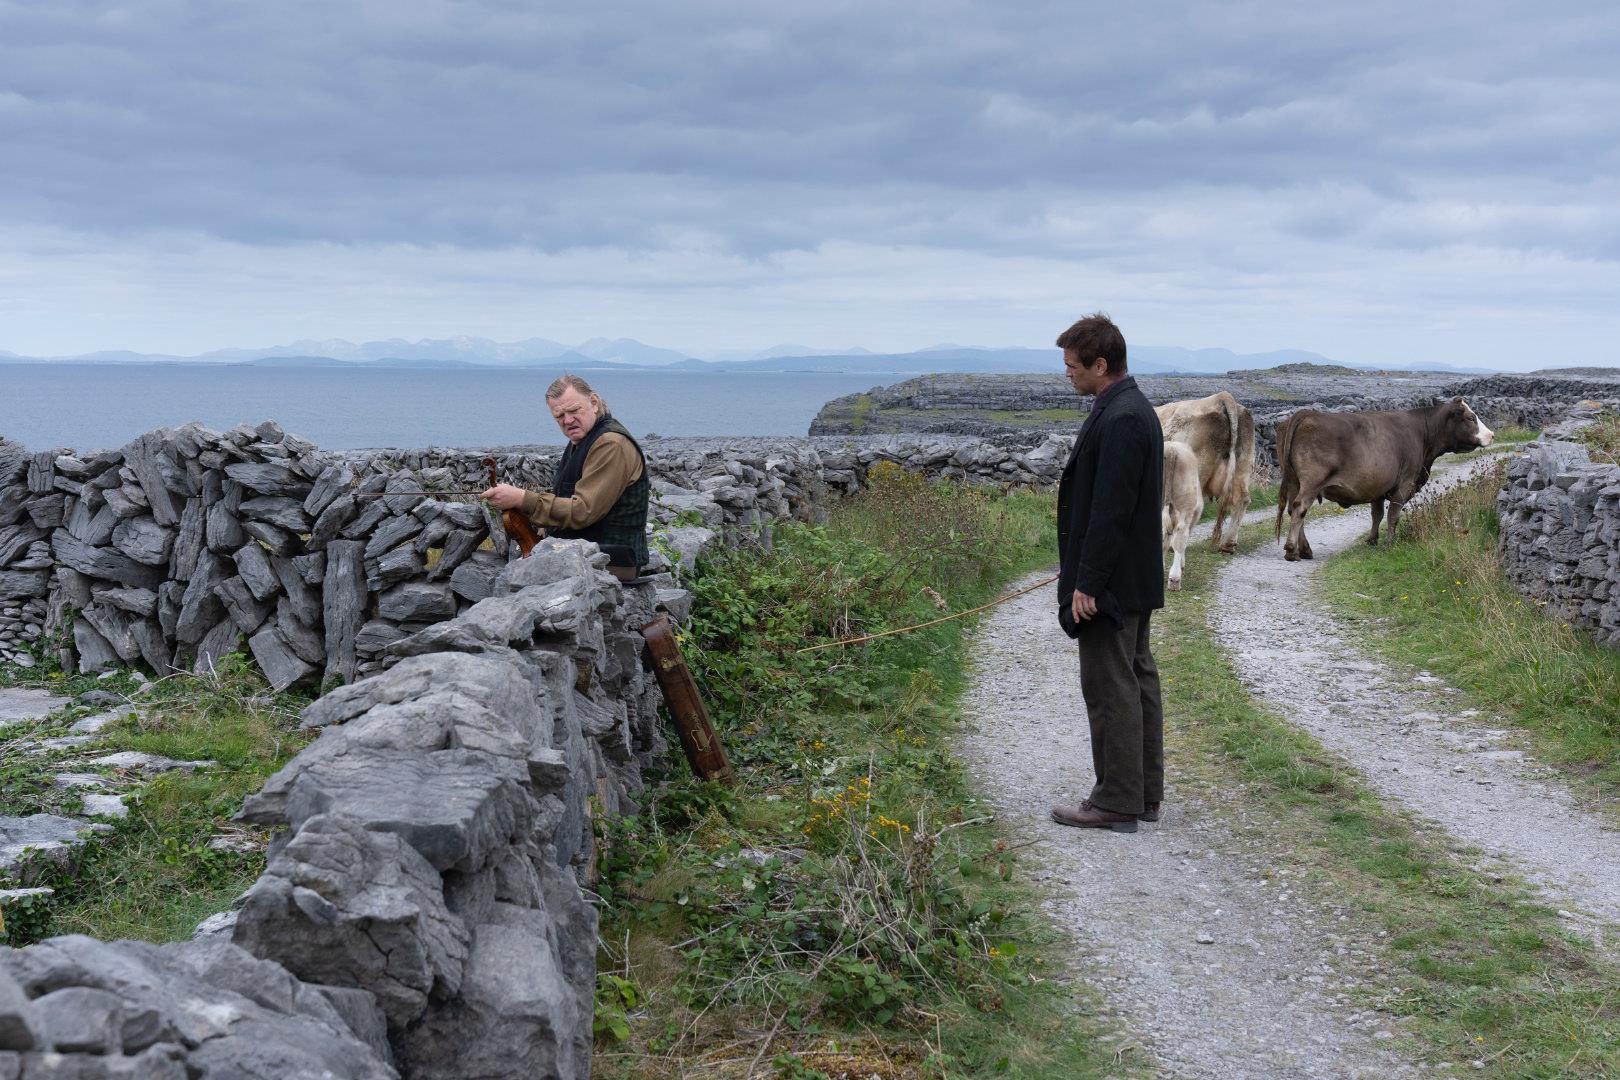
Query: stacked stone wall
(1559, 513)
(421, 913)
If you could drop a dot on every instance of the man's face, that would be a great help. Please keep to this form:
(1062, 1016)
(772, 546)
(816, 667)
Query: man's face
(1085, 380)
(574, 412)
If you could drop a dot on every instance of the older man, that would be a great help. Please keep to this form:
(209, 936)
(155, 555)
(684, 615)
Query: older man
(1112, 578)
(601, 488)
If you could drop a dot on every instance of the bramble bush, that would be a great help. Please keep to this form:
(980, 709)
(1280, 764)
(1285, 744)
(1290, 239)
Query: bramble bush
(850, 883)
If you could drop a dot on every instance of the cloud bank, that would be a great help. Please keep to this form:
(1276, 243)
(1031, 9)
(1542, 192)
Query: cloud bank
(1373, 183)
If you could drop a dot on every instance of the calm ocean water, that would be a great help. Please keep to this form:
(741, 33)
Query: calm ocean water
(97, 406)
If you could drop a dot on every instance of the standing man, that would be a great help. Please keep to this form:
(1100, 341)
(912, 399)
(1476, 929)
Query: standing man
(1112, 578)
(601, 488)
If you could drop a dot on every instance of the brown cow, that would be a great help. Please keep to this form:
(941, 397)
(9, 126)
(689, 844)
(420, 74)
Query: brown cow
(1365, 457)
(1221, 434)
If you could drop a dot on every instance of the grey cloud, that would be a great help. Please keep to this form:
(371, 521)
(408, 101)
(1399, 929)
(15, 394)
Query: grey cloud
(488, 124)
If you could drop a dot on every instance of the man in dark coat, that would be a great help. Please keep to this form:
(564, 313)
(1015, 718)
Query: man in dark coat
(1112, 578)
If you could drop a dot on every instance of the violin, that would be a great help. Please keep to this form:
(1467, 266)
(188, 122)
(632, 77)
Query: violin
(516, 525)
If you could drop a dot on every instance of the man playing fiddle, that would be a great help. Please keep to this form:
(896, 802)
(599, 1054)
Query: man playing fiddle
(601, 487)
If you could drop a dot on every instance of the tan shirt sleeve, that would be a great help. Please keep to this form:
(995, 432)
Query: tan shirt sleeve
(610, 467)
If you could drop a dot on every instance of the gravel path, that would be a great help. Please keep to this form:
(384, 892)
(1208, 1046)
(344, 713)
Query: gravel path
(1404, 729)
(1202, 946)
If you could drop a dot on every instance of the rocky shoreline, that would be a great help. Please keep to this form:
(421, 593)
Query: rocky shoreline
(1028, 406)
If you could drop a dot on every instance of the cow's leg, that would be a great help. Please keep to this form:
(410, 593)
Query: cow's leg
(1378, 516)
(1178, 542)
(1220, 520)
(1394, 518)
(1235, 504)
(1296, 545)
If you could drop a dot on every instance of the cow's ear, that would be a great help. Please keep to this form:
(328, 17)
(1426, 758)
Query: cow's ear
(1457, 400)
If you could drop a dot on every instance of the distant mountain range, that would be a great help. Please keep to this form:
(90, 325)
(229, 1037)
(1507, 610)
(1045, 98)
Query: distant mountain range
(627, 353)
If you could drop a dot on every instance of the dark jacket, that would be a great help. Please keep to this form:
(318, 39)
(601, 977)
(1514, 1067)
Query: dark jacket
(1109, 506)
(622, 531)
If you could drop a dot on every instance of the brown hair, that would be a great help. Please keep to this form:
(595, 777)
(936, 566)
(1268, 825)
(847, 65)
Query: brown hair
(574, 382)
(1095, 336)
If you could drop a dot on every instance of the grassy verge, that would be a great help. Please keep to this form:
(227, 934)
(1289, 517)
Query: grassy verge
(1481, 970)
(1438, 598)
(847, 910)
(1603, 436)
(154, 876)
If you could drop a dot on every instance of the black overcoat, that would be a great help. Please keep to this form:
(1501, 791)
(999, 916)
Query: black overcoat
(1109, 506)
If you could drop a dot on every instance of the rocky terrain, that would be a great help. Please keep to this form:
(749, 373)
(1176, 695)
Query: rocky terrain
(1009, 405)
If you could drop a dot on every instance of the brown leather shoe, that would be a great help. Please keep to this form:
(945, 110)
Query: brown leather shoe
(1087, 816)
(1150, 812)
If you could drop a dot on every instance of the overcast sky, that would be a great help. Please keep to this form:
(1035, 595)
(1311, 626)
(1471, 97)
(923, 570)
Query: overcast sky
(1372, 181)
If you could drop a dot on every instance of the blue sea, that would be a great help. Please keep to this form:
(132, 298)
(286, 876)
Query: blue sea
(101, 406)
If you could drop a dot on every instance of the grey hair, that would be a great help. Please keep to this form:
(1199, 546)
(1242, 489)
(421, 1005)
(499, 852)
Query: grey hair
(574, 382)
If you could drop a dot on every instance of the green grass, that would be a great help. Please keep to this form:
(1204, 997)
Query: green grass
(1480, 969)
(827, 949)
(1603, 437)
(154, 877)
(1438, 598)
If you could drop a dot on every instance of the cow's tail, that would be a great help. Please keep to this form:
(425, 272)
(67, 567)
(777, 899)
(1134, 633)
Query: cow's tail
(1234, 420)
(1288, 481)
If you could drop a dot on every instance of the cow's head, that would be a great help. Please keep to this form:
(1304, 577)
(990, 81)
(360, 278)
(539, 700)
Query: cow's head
(1464, 430)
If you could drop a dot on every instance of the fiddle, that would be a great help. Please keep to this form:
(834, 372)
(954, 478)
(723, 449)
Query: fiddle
(516, 525)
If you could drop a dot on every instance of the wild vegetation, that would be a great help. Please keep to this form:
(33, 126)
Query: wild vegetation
(155, 875)
(1603, 436)
(848, 909)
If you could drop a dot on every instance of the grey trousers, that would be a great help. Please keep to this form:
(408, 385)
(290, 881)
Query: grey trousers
(1120, 684)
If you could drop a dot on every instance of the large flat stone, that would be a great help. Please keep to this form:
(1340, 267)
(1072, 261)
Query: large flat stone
(23, 584)
(144, 540)
(254, 567)
(516, 1015)
(347, 906)
(282, 667)
(452, 806)
(278, 510)
(108, 565)
(190, 541)
(270, 478)
(343, 605)
(416, 602)
(25, 705)
(43, 832)
(223, 530)
(146, 457)
(200, 607)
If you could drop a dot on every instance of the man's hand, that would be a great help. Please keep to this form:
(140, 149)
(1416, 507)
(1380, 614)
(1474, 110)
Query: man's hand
(504, 497)
(1083, 607)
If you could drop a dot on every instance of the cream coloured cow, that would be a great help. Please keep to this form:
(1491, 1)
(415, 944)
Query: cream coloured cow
(1220, 433)
(1183, 503)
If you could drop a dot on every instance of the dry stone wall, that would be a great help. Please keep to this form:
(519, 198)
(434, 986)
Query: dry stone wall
(1559, 512)
(172, 549)
(420, 914)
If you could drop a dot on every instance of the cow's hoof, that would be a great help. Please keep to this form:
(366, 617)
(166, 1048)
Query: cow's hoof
(1306, 554)
(1175, 584)
(1372, 541)
(1228, 548)
(1291, 555)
